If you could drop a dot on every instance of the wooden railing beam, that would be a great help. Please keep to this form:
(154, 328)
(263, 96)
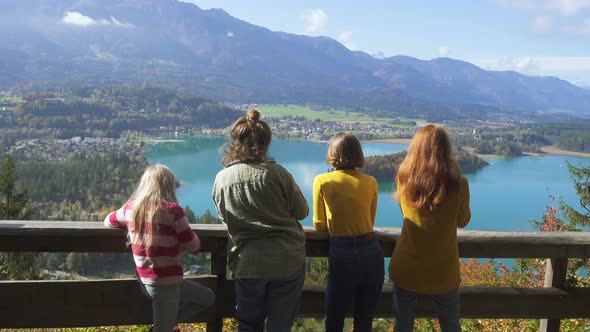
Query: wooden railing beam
(48, 304)
(60, 236)
(80, 303)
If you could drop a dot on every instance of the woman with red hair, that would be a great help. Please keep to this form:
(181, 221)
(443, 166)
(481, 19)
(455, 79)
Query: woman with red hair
(434, 199)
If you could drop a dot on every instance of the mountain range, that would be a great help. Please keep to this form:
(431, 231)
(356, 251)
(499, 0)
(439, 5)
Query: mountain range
(51, 43)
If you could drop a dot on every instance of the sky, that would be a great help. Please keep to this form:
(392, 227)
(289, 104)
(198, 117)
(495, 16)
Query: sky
(534, 37)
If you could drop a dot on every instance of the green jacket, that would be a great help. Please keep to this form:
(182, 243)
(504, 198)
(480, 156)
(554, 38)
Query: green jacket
(261, 205)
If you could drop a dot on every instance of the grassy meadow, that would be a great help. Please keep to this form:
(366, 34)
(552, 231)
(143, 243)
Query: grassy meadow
(330, 114)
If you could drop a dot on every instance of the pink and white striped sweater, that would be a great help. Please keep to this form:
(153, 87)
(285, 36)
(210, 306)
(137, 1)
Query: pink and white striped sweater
(159, 263)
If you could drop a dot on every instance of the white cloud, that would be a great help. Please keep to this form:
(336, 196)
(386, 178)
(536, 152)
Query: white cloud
(121, 24)
(543, 24)
(561, 7)
(79, 19)
(230, 34)
(575, 69)
(567, 7)
(379, 55)
(444, 51)
(582, 29)
(555, 16)
(75, 18)
(345, 38)
(528, 5)
(524, 65)
(580, 83)
(315, 20)
(564, 62)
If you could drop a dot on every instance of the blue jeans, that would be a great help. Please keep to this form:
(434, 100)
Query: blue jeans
(276, 300)
(446, 307)
(176, 303)
(355, 278)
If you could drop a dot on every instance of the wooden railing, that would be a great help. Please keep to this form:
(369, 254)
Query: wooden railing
(30, 304)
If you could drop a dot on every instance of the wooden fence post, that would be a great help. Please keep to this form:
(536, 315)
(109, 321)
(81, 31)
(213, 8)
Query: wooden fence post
(218, 268)
(555, 274)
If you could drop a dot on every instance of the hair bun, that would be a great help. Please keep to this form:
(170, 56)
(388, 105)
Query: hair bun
(253, 115)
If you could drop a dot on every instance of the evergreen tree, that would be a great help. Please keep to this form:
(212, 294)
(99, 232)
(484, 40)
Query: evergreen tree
(578, 220)
(190, 215)
(15, 206)
(207, 218)
(565, 217)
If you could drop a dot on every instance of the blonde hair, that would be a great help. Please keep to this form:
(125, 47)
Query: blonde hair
(429, 173)
(250, 138)
(345, 151)
(157, 185)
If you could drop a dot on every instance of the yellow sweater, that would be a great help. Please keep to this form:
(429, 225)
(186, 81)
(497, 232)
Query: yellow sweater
(426, 257)
(344, 202)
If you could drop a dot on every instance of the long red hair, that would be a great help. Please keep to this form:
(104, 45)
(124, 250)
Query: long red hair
(429, 173)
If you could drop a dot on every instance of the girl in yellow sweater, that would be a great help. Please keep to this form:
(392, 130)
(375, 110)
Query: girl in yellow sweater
(434, 198)
(345, 202)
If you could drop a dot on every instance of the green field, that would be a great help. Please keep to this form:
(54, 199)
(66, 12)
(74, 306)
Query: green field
(327, 114)
(10, 100)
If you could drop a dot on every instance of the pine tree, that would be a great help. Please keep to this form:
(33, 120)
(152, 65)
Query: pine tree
(578, 220)
(566, 217)
(207, 218)
(15, 206)
(190, 215)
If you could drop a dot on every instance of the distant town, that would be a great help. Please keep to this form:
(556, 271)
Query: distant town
(52, 149)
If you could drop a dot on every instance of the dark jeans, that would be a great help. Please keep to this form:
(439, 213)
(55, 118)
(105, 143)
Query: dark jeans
(276, 300)
(446, 307)
(355, 278)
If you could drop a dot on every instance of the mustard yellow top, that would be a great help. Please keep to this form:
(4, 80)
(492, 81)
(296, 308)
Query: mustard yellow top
(426, 257)
(344, 202)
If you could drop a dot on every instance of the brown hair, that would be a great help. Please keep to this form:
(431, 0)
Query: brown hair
(429, 172)
(345, 151)
(249, 139)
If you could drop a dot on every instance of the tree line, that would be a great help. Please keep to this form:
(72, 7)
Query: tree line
(108, 112)
(514, 141)
(384, 168)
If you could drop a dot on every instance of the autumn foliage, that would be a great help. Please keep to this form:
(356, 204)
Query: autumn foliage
(524, 273)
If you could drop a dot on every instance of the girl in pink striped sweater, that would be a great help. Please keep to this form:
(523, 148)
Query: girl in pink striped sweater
(158, 232)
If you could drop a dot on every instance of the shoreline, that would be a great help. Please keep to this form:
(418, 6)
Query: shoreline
(481, 155)
(549, 150)
(159, 140)
(404, 141)
(552, 150)
(165, 141)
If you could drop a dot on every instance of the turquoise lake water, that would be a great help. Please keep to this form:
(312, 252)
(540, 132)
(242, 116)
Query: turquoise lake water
(504, 196)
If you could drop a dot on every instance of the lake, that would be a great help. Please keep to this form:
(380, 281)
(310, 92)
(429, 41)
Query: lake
(504, 196)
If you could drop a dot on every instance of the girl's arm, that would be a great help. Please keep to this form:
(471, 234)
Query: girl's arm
(319, 208)
(464, 214)
(297, 204)
(300, 207)
(187, 239)
(119, 218)
(374, 203)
